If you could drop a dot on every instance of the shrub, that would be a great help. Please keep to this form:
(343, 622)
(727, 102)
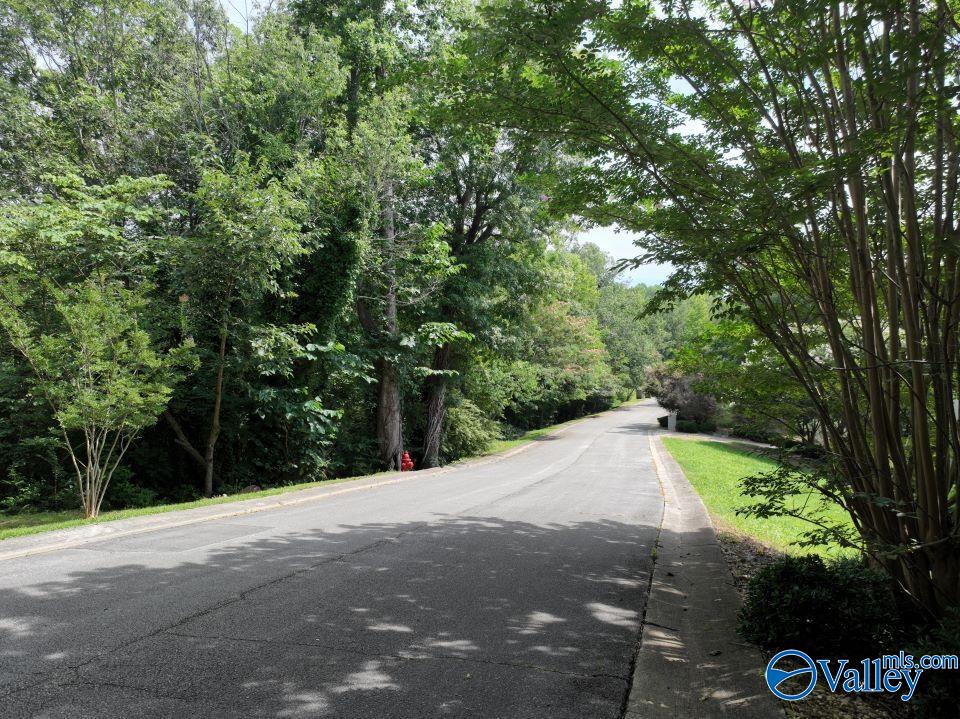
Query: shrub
(468, 431)
(662, 421)
(939, 690)
(689, 425)
(754, 434)
(124, 494)
(841, 608)
(675, 393)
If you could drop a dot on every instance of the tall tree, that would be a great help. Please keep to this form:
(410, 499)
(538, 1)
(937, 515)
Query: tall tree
(801, 160)
(381, 44)
(487, 188)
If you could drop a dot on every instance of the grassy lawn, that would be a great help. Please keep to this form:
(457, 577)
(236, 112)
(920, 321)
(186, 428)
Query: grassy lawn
(715, 470)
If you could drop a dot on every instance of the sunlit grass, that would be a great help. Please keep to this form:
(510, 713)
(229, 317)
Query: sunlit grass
(715, 470)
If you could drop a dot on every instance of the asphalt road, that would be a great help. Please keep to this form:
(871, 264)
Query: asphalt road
(510, 589)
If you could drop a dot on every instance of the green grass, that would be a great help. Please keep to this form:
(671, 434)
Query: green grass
(19, 525)
(502, 445)
(715, 470)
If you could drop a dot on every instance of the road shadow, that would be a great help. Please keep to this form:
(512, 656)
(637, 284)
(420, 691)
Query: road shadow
(454, 616)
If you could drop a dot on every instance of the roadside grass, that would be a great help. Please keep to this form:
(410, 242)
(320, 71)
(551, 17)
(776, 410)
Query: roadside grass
(715, 470)
(503, 445)
(19, 525)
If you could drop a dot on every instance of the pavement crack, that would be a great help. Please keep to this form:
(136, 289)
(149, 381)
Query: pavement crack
(239, 597)
(660, 626)
(99, 683)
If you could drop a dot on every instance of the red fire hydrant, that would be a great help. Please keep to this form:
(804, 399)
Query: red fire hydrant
(406, 464)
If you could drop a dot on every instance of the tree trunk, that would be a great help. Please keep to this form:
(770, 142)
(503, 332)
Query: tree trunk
(389, 421)
(389, 427)
(436, 395)
(214, 433)
(205, 460)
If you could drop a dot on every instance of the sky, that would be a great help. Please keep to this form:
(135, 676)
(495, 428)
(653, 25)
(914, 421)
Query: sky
(619, 244)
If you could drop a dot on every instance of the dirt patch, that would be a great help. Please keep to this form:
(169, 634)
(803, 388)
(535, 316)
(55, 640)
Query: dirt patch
(746, 556)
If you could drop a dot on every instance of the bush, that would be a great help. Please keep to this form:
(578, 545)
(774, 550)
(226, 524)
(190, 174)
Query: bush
(939, 690)
(836, 609)
(754, 434)
(468, 431)
(662, 421)
(689, 425)
(674, 392)
(124, 494)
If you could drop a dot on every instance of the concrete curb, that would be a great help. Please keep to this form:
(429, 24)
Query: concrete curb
(59, 539)
(691, 664)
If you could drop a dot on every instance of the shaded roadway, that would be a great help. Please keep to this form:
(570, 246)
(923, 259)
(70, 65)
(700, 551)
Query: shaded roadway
(514, 588)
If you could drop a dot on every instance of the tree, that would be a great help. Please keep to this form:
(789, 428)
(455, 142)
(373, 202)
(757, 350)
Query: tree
(487, 189)
(247, 238)
(97, 371)
(800, 161)
(741, 368)
(380, 43)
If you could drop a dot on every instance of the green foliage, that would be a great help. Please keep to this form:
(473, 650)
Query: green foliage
(742, 369)
(790, 160)
(468, 432)
(689, 425)
(271, 224)
(98, 372)
(827, 609)
(937, 694)
(675, 392)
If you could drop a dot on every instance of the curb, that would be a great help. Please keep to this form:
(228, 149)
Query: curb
(691, 663)
(72, 537)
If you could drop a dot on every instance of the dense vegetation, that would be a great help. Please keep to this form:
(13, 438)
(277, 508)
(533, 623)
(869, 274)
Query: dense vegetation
(294, 250)
(276, 254)
(799, 162)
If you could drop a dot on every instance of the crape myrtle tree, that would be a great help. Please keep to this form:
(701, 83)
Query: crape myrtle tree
(799, 161)
(98, 372)
(73, 299)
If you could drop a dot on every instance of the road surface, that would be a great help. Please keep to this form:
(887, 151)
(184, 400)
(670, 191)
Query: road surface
(511, 588)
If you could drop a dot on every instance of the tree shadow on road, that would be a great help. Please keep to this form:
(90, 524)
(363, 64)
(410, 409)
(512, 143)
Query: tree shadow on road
(454, 616)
